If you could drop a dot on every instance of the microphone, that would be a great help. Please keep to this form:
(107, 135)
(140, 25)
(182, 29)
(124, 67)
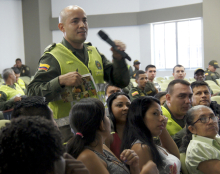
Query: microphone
(110, 42)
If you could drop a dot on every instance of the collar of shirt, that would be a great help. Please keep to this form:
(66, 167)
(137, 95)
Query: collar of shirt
(209, 141)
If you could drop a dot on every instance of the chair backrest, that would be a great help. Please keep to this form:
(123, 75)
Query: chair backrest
(163, 86)
(134, 84)
(171, 78)
(191, 79)
(218, 81)
(214, 86)
(26, 79)
(158, 79)
(166, 81)
(210, 82)
(183, 164)
(216, 98)
(3, 122)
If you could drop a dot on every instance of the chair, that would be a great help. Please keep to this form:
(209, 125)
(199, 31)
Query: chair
(134, 84)
(215, 91)
(171, 78)
(26, 79)
(163, 86)
(216, 98)
(191, 79)
(214, 86)
(183, 164)
(210, 82)
(166, 81)
(3, 122)
(158, 79)
(218, 81)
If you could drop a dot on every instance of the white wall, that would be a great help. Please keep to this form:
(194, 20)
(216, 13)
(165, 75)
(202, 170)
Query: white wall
(12, 41)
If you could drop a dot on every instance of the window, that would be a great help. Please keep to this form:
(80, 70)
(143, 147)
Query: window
(178, 42)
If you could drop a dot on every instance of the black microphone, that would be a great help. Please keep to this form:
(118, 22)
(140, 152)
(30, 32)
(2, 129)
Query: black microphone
(110, 42)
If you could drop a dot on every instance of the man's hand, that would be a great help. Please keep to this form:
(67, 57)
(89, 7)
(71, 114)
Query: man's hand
(121, 46)
(70, 79)
(73, 166)
(17, 99)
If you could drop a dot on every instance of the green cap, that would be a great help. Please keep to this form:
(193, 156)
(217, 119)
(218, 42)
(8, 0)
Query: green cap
(198, 69)
(214, 63)
(136, 62)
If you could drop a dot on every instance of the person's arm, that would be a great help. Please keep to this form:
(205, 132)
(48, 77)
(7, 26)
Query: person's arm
(150, 89)
(134, 94)
(178, 137)
(4, 104)
(168, 143)
(210, 166)
(93, 162)
(143, 153)
(150, 168)
(27, 71)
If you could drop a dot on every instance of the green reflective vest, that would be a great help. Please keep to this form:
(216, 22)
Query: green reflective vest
(11, 92)
(69, 63)
(21, 83)
(172, 126)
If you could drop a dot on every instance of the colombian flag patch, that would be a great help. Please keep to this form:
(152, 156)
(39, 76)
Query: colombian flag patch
(44, 67)
(134, 93)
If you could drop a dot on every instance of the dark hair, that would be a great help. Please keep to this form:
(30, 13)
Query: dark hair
(138, 73)
(199, 83)
(159, 95)
(135, 128)
(29, 145)
(16, 70)
(110, 100)
(108, 85)
(18, 59)
(190, 115)
(149, 66)
(32, 106)
(173, 82)
(85, 117)
(177, 66)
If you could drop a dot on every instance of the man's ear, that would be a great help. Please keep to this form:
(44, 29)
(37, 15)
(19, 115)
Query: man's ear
(168, 98)
(192, 129)
(173, 74)
(102, 127)
(136, 81)
(61, 27)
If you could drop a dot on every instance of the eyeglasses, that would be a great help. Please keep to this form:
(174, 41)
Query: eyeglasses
(207, 119)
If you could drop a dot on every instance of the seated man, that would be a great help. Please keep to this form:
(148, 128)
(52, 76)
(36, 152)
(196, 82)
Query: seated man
(136, 68)
(162, 97)
(151, 74)
(210, 73)
(24, 69)
(33, 145)
(144, 87)
(10, 91)
(179, 72)
(18, 79)
(178, 102)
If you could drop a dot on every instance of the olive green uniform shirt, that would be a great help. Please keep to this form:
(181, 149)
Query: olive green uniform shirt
(46, 83)
(24, 71)
(134, 73)
(209, 75)
(4, 104)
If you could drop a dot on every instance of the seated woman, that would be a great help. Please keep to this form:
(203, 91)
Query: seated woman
(92, 127)
(118, 105)
(200, 143)
(145, 121)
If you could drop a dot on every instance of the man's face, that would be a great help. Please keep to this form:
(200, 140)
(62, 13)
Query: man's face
(18, 63)
(179, 73)
(151, 73)
(13, 77)
(17, 77)
(212, 68)
(137, 66)
(179, 101)
(201, 96)
(142, 80)
(111, 90)
(199, 76)
(75, 27)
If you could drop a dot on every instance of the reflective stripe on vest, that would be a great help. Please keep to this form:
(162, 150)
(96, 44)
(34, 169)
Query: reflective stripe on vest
(69, 63)
(172, 126)
(21, 83)
(11, 92)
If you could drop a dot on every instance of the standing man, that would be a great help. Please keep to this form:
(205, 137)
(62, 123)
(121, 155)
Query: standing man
(178, 102)
(211, 73)
(179, 72)
(144, 87)
(10, 91)
(63, 64)
(136, 68)
(24, 69)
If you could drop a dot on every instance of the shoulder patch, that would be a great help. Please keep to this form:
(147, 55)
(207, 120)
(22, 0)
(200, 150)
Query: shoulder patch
(49, 47)
(44, 67)
(134, 93)
(212, 74)
(206, 74)
(0, 95)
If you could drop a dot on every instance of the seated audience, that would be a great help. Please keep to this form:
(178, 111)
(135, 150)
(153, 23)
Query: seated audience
(161, 96)
(136, 68)
(179, 72)
(19, 80)
(201, 144)
(178, 102)
(24, 69)
(210, 73)
(145, 121)
(118, 105)
(110, 89)
(151, 72)
(10, 91)
(33, 145)
(92, 127)
(144, 87)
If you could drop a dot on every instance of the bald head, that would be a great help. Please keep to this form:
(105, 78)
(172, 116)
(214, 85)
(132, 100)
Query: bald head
(64, 13)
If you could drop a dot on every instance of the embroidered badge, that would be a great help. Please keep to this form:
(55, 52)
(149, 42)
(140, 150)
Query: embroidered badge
(206, 74)
(134, 75)
(149, 92)
(98, 64)
(44, 67)
(134, 93)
